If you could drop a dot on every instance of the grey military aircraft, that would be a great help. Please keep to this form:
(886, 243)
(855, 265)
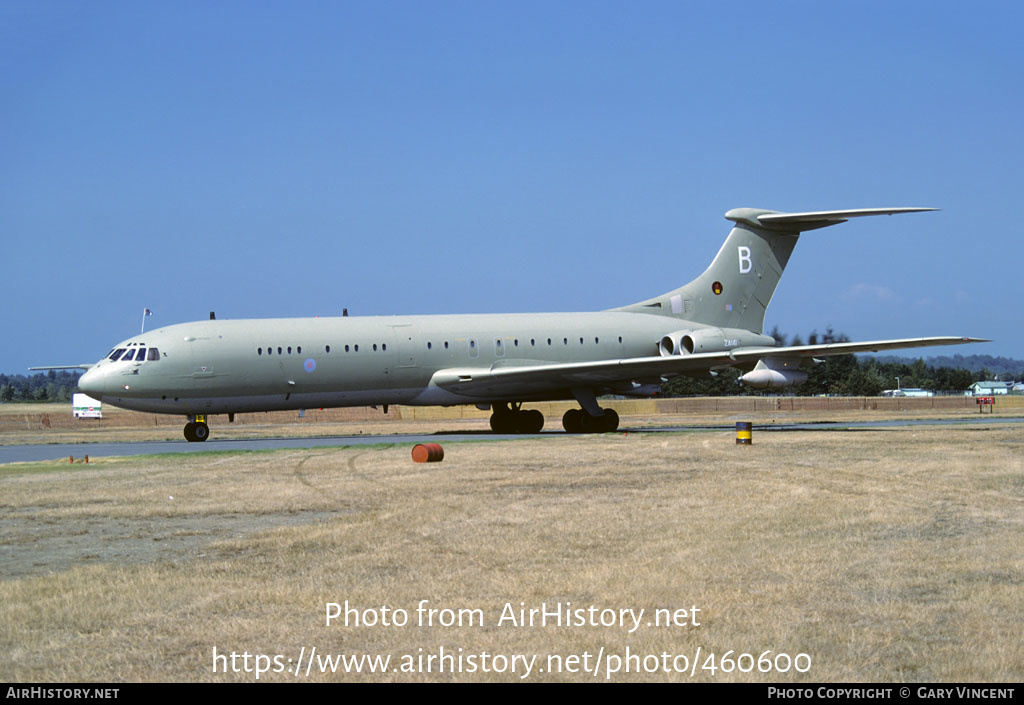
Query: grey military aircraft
(496, 362)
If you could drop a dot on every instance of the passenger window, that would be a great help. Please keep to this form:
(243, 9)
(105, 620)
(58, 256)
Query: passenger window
(154, 354)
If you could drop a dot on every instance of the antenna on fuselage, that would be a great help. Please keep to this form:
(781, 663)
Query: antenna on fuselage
(145, 312)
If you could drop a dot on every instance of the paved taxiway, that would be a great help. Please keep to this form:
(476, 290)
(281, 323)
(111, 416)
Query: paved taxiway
(57, 451)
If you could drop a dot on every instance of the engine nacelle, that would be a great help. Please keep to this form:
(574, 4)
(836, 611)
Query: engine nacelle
(704, 340)
(773, 373)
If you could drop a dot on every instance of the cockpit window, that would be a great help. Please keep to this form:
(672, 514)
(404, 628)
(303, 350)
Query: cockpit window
(154, 354)
(116, 354)
(141, 355)
(128, 355)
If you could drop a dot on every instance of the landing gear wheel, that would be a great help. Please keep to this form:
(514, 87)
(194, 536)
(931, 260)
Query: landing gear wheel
(530, 421)
(611, 420)
(572, 421)
(591, 424)
(196, 432)
(502, 422)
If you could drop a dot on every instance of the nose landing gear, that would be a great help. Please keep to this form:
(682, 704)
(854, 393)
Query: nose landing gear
(196, 429)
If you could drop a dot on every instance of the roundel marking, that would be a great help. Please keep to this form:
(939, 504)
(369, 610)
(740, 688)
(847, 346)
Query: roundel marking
(309, 365)
(717, 288)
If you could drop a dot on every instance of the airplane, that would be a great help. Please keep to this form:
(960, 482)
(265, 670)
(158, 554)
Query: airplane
(498, 361)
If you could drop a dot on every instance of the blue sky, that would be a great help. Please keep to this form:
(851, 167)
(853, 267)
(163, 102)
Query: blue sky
(291, 159)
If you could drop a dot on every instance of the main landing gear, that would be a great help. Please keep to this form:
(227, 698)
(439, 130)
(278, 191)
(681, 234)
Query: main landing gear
(510, 418)
(591, 418)
(579, 421)
(196, 429)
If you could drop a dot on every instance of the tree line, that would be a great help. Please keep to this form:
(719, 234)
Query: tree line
(53, 385)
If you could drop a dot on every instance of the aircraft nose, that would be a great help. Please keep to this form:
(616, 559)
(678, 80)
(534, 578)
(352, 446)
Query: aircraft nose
(91, 383)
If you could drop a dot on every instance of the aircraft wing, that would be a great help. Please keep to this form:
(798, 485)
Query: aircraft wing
(64, 367)
(511, 379)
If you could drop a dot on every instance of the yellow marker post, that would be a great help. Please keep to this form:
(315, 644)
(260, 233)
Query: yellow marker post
(744, 433)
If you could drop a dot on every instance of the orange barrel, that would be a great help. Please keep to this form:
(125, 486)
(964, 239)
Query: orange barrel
(427, 453)
(744, 433)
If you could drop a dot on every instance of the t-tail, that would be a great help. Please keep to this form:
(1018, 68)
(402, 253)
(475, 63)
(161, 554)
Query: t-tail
(734, 292)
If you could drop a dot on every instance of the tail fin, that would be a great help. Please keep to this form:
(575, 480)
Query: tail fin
(734, 292)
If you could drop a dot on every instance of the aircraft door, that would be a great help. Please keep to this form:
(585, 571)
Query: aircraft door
(201, 352)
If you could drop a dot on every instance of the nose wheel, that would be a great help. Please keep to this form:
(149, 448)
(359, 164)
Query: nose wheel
(196, 431)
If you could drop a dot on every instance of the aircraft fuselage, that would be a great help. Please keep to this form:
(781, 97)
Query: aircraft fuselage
(229, 366)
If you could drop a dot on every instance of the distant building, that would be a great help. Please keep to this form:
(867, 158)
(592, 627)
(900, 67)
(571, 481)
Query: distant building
(908, 392)
(988, 389)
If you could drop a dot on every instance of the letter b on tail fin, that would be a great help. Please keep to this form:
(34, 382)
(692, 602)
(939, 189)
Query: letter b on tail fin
(745, 262)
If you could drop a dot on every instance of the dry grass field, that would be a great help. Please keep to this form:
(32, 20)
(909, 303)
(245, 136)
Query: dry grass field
(882, 555)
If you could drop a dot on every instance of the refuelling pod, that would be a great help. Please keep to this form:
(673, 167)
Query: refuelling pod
(702, 340)
(771, 373)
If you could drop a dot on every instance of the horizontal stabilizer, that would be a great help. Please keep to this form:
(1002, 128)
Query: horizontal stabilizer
(62, 367)
(811, 220)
